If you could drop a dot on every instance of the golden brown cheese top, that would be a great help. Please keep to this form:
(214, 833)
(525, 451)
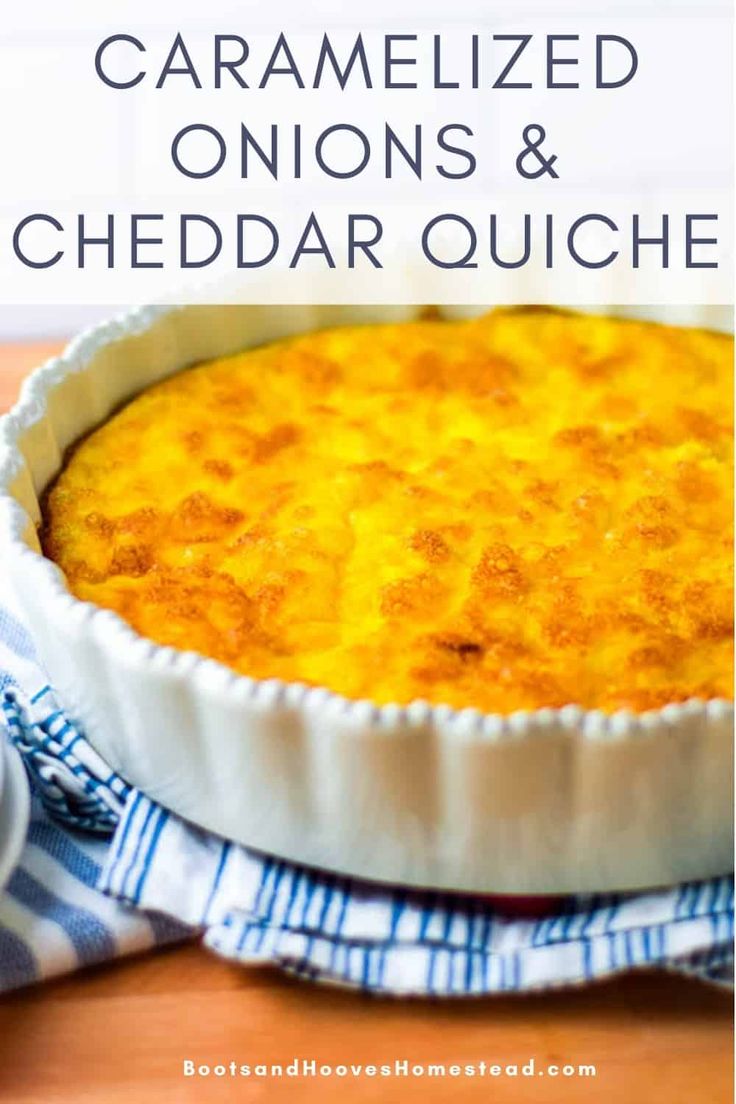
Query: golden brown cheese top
(528, 509)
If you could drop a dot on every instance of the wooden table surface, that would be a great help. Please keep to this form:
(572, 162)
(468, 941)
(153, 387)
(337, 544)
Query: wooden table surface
(121, 1032)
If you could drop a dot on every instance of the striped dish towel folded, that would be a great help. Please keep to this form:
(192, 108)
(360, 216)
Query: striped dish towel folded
(106, 871)
(54, 919)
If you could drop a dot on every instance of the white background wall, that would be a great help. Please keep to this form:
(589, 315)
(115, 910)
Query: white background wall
(46, 75)
(26, 323)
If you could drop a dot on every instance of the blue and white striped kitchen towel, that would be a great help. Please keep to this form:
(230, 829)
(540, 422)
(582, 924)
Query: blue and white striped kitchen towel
(106, 872)
(53, 918)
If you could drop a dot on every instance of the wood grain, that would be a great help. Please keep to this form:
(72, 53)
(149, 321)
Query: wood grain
(121, 1032)
(17, 359)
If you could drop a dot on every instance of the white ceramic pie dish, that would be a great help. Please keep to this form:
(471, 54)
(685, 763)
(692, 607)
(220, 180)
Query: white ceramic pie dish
(552, 801)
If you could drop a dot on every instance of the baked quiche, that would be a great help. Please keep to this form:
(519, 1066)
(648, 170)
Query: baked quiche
(528, 509)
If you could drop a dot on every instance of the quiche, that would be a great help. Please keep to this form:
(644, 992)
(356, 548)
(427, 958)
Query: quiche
(528, 509)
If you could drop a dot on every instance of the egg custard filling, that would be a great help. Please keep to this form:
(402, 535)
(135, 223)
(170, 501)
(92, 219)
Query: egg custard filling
(528, 509)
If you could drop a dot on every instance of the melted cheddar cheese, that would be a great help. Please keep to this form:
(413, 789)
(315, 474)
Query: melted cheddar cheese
(528, 509)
